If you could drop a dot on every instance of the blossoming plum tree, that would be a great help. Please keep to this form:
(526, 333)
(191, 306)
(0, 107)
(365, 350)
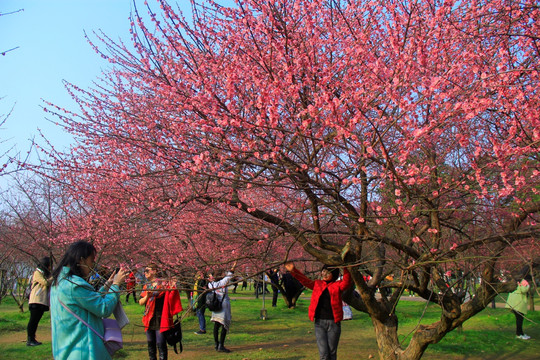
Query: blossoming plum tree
(400, 139)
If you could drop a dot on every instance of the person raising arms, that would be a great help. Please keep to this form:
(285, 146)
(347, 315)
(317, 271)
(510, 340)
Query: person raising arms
(325, 307)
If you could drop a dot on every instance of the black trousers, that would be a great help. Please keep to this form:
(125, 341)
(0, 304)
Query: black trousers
(275, 293)
(36, 313)
(519, 322)
(132, 292)
(219, 338)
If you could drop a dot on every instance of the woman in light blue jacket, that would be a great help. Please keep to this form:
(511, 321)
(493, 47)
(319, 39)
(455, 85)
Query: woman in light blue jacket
(71, 339)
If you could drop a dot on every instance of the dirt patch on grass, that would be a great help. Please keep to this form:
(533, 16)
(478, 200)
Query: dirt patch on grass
(12, 337)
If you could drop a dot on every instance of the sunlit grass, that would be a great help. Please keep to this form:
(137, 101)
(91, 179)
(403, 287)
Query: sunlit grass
(288, 334)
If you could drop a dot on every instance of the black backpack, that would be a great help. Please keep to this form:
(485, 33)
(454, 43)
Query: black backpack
(174, 335)
(212, 301)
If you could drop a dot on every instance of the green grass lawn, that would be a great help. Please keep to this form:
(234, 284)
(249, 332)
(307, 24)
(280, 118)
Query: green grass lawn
(288, 334)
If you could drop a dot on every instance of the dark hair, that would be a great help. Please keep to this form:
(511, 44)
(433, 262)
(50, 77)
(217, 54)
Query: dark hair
(44, 265)
(333, 271)
(72, 257)
(218, 274)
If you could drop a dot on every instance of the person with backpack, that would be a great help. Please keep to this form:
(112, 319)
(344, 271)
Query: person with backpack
(218, 284)
(325, 307)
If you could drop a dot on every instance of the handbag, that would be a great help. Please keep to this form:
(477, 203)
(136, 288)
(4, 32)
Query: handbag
(347, 312)
(174, 335)
(112, 337)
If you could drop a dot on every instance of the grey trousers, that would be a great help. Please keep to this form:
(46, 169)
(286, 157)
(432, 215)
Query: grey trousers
(327, 333)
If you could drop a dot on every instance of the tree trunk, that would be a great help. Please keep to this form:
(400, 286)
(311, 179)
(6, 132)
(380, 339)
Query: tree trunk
(387, 340)
(19, 302)
(389, 345)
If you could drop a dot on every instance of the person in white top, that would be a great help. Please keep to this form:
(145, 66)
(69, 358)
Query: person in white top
(222, 318)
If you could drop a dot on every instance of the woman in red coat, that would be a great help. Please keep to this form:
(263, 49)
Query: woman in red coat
(325, 308)
(161, 303)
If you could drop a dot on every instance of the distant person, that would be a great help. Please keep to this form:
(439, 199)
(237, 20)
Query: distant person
(274, 279)
(325, 308)
(257, 285)
(221, 319)
(200, 287)
(131, 282)
(38, 302)
(72, 339)
(517, 302)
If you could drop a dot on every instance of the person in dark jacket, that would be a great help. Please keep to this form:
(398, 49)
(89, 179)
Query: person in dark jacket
(325, 308)
(274, 279)
(200, 287)
(292, 288)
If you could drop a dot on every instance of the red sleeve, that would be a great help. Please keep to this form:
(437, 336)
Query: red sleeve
(346, 282)
(174, 302)
(143, 293)
(171, 307)
(304, 280)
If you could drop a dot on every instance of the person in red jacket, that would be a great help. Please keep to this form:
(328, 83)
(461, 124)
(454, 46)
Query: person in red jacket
(325, 308)
(161, 303)
(130, 287)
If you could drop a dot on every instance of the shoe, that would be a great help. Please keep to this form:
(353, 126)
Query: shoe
(200, 332)
(222, 348)
(33, 343)
(523, 337)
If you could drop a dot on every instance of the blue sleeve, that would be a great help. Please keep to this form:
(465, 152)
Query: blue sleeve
(99, 304)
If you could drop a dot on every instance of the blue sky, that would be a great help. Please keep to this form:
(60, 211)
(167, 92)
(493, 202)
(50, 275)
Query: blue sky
(49, 35)
(51, 48)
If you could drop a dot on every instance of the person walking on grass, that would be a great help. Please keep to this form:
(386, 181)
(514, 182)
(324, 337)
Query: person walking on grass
(325, 308)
